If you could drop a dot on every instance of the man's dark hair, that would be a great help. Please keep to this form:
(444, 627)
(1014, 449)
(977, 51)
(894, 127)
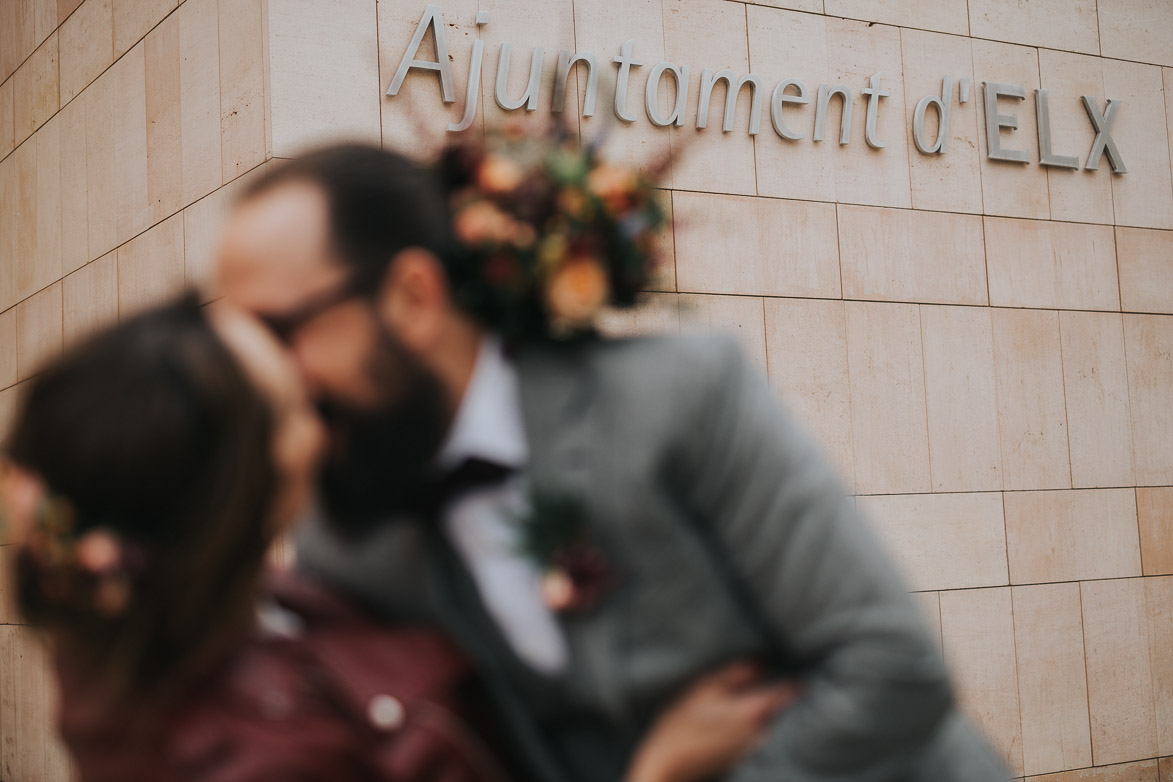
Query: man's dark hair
(380, 203)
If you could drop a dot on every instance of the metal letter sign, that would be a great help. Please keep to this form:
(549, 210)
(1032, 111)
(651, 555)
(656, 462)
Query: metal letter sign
(788, 106)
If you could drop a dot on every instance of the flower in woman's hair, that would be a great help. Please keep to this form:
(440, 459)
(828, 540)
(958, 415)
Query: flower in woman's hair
(523, 235)
(574, 202)
(481, 222)
(98, 551)
(577, 291)
(498, 175)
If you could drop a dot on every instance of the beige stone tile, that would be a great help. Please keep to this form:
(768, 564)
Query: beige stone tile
(91, 298)
(1159, 602)
(977, 627)
(1145, 260)
(1009, 188)
(1052, 682)
(1141, 771)
(1144, 196)
(8, 231)
(323, 74)
(101, 166)
(24, 206)
(810, 6)
(150, 267)
(243, 134)
(199, 98)
(44, 18)
(960, 392)
(1035, 263)
(639, 143)
(1136, 30)
(48, 211)
(657, 313)
(855, 52)
(38, 330)
(907, 255)
(74, 213)
(1119, 677)
(1077, 195)
(24, 28)
(1167, 78)
(87, 46)
(164, 121)
(1095, 381)
(34, 87)
(65, 8)
(8, 365)
(806, 349)
(133, 212)
(930, 606)
(790, 45)
(664, 276)
(1071, 535)
(22, 690)
(742, 317)
(133, 18)
(415, 120)
(1032, 420)
(1148, 344)
(1166, 770)
(7, 126)
(889, 428)
(711, 35)
(38, 217)
(1070, 25)
(943, 541)
(1154, 511)
(951, 180)
(782, 248)
(948, 16)
(8, 47)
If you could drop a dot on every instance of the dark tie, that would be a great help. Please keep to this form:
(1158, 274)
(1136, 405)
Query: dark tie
(471, 474)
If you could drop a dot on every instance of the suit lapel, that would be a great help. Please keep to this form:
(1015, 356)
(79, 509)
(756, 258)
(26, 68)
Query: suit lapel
(560, 388)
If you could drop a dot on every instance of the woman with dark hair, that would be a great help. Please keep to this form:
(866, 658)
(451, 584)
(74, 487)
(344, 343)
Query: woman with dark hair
(149, 471)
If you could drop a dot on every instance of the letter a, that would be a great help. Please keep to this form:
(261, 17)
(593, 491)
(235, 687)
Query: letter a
(434, 18)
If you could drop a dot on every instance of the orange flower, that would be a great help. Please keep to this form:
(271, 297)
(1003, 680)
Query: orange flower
(98, 551)
(499, 175)
(613, 185)
(482, 222)
(577, 291)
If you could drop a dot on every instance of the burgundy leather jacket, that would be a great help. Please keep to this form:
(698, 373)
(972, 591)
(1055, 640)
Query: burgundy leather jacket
(330, 697)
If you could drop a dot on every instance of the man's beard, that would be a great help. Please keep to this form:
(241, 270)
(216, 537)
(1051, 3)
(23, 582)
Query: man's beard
(379, 459)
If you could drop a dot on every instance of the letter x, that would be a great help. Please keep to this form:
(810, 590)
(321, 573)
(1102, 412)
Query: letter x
(1103, 142)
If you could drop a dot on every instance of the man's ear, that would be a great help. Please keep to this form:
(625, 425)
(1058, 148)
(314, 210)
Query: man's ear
(413, 300)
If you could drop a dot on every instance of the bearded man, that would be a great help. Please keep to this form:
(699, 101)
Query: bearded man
(691, 522)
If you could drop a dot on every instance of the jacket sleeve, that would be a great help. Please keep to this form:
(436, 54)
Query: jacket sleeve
(874, 687)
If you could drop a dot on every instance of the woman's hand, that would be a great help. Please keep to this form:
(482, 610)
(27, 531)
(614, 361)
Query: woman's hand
(719, 720)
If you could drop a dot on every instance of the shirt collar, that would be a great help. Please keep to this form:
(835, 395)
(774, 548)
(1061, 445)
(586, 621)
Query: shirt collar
(488, 424)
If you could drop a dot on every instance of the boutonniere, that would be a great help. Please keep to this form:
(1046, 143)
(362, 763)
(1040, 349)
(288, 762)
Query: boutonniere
(575, 572)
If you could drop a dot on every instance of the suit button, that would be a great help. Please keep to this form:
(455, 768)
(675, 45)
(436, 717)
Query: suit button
(386, 713)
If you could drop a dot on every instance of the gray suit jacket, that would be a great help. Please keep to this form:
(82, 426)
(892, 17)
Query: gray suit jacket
(731, 537)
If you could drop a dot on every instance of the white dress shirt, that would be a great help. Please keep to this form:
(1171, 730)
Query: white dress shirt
(482, 524)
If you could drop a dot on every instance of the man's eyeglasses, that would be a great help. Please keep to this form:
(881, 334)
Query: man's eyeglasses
(285, 325)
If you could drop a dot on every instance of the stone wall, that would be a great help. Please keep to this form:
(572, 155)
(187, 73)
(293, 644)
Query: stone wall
(984, 347)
